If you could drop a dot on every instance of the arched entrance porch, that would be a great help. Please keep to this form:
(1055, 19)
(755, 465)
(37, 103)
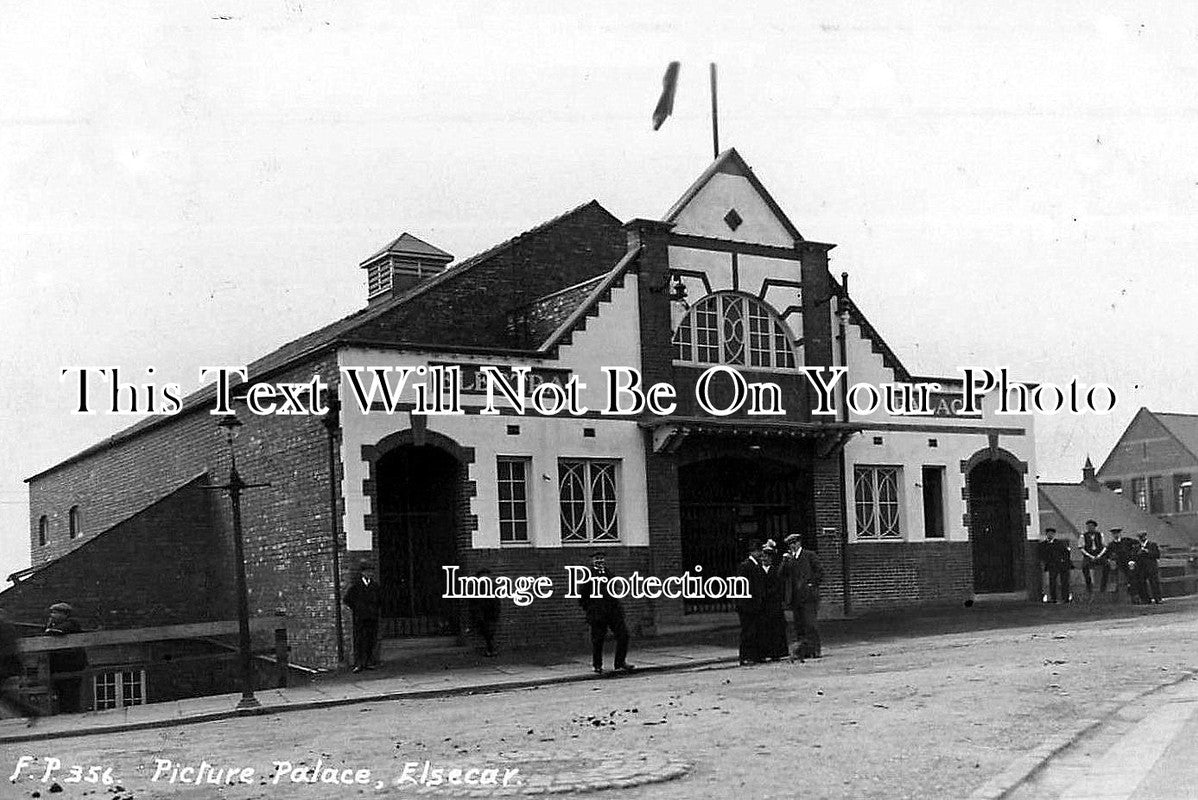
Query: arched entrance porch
(997, 530)
(726, 501)
(418, 493)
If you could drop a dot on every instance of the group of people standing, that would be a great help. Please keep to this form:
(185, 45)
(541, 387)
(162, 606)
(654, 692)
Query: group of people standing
(777, 582)
(1119, 560)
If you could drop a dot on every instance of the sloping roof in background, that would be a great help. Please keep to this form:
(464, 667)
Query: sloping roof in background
(1076, 503)
(1183, 428)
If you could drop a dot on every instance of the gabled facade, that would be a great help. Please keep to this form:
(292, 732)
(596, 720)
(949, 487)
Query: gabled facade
(902, 510)
(1154, 464)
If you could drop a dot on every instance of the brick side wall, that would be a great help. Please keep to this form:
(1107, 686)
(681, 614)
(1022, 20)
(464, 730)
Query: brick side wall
(287, 538)
(158, 567)
(657, 354)
(894, 574)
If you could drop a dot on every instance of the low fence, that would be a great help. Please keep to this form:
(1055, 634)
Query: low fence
(142, 665)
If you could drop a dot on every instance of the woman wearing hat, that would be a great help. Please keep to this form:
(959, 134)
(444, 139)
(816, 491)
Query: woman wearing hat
(772, 627)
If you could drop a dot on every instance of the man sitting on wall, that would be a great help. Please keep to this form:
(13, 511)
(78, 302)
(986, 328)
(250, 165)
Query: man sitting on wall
(65, 665)
(1092, 558)
(1056, 562)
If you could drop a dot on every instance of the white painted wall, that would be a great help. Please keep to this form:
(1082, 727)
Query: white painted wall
(611, 339)
(704, 214)
(911, 451)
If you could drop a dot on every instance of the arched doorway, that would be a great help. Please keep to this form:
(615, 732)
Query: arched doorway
(417, 490)
(996, 528)
(723, 503)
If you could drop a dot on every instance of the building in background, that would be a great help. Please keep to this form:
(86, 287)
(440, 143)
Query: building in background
(904, 510)
(1153, 465)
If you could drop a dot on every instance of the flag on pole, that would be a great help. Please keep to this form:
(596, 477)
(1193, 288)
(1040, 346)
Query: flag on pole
(665, 105)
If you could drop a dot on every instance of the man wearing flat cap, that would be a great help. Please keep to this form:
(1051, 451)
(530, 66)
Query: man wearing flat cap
(603, 613)
(363, 599)
(1092, 559)
(801, 577)
(66, 664)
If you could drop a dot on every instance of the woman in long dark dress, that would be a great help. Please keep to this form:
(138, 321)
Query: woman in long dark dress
(772, 629)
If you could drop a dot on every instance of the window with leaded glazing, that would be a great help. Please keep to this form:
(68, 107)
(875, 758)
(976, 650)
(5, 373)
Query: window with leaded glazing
(589, 500)
(735, 329)
(876, 500)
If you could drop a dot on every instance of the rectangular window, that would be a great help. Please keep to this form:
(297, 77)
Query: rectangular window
(589, 500)
(1156, 494)
(1115, 486)
(512, 476)
(876, 499)
(1183, 493)
(1139, 493)
(119, 688)
(933, 502)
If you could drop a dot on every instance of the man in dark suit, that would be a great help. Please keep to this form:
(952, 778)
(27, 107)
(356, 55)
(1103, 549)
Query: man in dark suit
(751, 609)
(362, 597)
(603, 613)
(1147, 570)
(1056, 561)
(801, 576)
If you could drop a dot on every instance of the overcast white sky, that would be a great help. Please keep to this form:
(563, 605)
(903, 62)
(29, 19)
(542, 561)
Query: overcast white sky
(195, 183)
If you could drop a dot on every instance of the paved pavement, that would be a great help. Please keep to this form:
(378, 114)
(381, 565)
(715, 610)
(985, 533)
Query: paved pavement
(365, 687)
(415, 680)
(1145, 750)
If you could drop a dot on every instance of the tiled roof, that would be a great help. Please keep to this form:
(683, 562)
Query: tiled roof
(1077, 503)
(404, 328)
(1183, 427)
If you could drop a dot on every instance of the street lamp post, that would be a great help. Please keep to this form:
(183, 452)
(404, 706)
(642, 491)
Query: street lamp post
(235, 486)
(332, 423)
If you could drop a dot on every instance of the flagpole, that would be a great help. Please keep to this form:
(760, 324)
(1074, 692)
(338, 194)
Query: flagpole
(715, 118)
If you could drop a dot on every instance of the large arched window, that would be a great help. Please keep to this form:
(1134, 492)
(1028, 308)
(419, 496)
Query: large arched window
(733, 328)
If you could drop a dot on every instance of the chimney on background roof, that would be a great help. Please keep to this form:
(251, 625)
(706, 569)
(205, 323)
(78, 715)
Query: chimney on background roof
(401, 265)
(1088, 479)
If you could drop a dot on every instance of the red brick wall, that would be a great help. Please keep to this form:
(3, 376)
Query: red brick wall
(287, 538)
(161, 566)
(894, 574)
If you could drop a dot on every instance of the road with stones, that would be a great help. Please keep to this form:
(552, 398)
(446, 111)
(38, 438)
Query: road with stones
(899, 716)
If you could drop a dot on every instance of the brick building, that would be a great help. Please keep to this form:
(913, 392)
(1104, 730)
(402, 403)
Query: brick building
(1153, 465)
(903, 510)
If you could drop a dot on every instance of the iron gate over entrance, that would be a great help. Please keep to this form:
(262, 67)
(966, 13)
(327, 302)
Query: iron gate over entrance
(417, 488)
(725, 502)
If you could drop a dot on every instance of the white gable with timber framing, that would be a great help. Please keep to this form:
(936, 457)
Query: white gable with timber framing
(728, 204)
(729, 186)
